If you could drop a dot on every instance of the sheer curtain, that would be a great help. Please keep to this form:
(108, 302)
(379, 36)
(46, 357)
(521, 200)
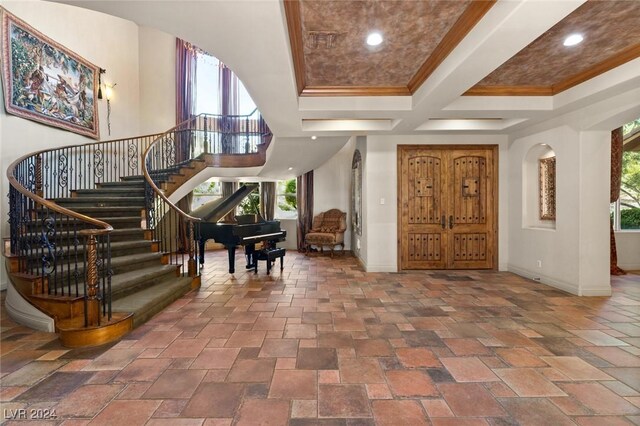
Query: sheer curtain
(616, 181)
(186, 68)
(268, 200)
(305, 206)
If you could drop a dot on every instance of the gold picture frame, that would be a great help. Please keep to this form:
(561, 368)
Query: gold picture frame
(547, 181)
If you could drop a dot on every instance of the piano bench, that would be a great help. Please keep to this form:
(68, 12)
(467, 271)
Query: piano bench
(269, 255)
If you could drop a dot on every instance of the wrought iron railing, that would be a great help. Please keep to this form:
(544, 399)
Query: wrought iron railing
(69, 252)
(66, 253)
(175, 230)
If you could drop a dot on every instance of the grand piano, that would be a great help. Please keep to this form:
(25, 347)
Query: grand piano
(246, 230)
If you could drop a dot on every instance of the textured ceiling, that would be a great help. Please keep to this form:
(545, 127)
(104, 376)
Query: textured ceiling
(611, 33)
(411, 29)
(328, 39)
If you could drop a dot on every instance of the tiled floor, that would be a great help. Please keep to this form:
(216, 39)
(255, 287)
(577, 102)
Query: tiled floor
(324, 343)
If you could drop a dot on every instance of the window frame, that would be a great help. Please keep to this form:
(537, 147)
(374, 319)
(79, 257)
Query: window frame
(284, 194)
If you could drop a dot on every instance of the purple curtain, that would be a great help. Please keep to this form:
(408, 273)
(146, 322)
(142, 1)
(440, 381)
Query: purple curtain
(304, 189)
(185, 94)
(616, 181)
(228, 89)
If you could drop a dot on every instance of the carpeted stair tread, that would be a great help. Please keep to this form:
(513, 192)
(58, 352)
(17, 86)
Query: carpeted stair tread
(124, 183)
(102, 199)
(133, 258)
(146, 303)
(126, 283)
(116, 190)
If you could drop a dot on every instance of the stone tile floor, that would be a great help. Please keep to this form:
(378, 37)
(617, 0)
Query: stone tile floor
(323, 343)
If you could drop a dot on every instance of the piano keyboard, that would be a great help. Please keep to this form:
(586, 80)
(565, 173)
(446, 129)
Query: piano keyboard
(262, 236)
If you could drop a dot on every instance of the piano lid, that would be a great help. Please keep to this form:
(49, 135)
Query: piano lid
(215, 210)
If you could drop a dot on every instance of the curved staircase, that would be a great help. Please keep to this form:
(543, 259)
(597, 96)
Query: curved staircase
(95, 243)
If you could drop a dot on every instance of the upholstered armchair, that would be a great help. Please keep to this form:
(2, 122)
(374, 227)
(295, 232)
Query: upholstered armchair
(327, 230)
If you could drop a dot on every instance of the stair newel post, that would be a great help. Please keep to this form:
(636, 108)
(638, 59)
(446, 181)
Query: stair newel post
(192, 249)
(206, 136)
(39, 192)
(92, 316)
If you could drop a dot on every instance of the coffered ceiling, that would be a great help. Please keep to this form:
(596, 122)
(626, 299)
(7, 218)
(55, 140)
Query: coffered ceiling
(611, 32)
(331, 56)
(439, 59)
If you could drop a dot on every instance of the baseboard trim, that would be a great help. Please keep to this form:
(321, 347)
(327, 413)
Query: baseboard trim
(595, 292)
(629, 266)
(25, 314)
(544, 279)
(381, 268)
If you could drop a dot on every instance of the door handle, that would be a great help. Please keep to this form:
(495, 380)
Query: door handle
(451, 222)
(443, 222)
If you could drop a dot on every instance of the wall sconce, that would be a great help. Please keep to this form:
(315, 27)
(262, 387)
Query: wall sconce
(108, 91)
(100, 72)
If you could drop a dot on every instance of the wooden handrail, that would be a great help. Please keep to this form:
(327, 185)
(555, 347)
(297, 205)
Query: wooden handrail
(147, 177)
(106, 228)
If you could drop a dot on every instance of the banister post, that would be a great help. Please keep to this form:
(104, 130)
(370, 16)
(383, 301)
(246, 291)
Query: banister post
(39, 192)
(207, 149)
(192, 270)
(93, 303)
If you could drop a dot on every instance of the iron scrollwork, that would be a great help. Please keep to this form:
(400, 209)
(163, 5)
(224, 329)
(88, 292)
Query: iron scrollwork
(98, 163)
(133, 156)
(48, 233)
(63, 175)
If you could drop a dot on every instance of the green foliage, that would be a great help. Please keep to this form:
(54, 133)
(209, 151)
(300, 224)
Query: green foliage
(631, 128)
(207, 187)
(630, 188)
(251, 203)
(630, 219)
(290, 201)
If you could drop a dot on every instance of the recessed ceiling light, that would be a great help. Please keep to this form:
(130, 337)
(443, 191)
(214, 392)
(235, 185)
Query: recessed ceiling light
(374, 39)
(314, 137)
(573, 39)
(290, 168)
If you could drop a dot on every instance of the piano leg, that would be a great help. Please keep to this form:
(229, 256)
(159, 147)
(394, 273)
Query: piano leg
(232, 258)
(201, 244)
(250, 253)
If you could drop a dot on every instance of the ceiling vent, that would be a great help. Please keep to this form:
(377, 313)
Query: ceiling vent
(323, 39)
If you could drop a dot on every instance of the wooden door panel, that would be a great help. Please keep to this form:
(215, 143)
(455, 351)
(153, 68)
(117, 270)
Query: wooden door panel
(456, 184)
(469, 189)
(424, 178)
(471, 233)
(422, 243)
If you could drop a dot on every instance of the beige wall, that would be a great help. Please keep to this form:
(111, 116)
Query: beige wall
(106, 41)
(380, 177)
(157, 80)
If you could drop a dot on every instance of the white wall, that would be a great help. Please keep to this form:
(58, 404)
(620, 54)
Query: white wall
(332, 186)
(157, 82)
(572, 255)
(628, 247)
(380, 177)
(106, 41)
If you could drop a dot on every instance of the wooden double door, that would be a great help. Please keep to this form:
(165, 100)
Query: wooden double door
(447, 207)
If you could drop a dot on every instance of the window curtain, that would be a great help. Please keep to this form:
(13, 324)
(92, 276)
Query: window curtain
(228, 188)
(305, 206)
(268, 200)
(185, 93)
(228, 89)
(616, 181)
(185, 205)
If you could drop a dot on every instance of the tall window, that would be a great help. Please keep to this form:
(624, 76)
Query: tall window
(626, 211)
(208, 190)
(218, 89)
(286, 199)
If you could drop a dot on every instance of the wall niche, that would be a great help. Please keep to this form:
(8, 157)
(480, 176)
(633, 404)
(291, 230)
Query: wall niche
(539, 188)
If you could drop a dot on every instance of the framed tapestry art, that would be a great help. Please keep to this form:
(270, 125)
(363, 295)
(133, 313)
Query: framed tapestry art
(45, 82)
(547, 178)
